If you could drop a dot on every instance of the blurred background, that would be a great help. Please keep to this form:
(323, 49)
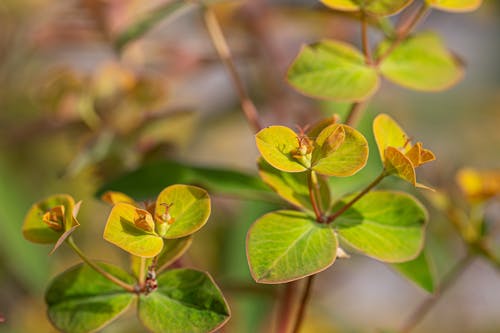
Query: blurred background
(77, 111)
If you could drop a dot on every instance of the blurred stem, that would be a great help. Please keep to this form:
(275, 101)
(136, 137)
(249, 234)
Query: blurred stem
(286, 307)
(364, 39)
(405, 29)
(220, 44)
(358, 107)
(385, 25)
(312, 183)
(348, 205)
(98, 269)
(355, 113)
(304, 301)
(423, 309)
(142, 272)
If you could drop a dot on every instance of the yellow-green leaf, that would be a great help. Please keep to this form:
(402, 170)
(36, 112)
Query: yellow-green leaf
(184, 209)
(341, 160)
(38, 226)
(288, 245)
(455, 5)
(129, 228)
(388, 133)
(388, 226)
(280, 147)
(333, 70)
(374, 7)
(421, 62)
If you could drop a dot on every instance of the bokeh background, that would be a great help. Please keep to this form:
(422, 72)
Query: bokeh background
(75, 114)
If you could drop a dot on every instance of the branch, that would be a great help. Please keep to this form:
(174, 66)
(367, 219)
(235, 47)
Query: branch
(354, 113)
(222, 48)
(303, 304)
(348, 205)
(364, 39)
(286, 309)
(405, 29)
(312, 183)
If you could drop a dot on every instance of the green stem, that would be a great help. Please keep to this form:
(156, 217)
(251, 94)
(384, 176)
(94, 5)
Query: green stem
(405, 29)
(98, 269)
(220, 44)
(423, 309)
(312, 183)
(348, 205)
(303, 304)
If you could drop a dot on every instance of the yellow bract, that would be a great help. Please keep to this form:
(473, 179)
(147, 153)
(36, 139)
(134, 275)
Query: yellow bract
(372, 7)
(398, 155)
(54, 218)
(179, 211)
(116, 197)
(479, 185)
(455, 5)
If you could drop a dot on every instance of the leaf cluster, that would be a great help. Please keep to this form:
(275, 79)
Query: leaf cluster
(88, 296)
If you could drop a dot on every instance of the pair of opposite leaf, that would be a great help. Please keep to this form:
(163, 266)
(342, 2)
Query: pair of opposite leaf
(391, 7)
(178, 212)
(339, 150)
(287, 245)
(51, 221)
(338, 71)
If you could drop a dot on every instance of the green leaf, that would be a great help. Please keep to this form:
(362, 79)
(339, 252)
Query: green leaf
(418, 271)
(147, 181)
(388, 226)
(374, 7)
(81, 300)
(455, 5)
(292, 186)
(278, 145)
(147, 22)
(186, 301)
(346, 159)
(333, 70)
(421, 62)
(123, 230)
(388, 133)
(172, 250)
(189, 206)
(37, 231)
(288, 245)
